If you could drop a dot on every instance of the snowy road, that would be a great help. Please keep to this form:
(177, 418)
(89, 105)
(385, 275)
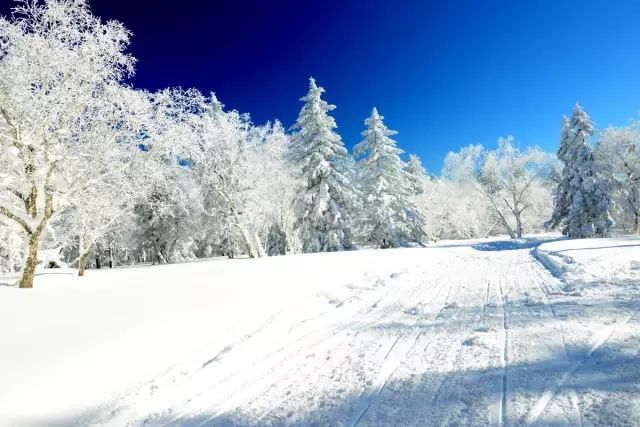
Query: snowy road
(469, 334)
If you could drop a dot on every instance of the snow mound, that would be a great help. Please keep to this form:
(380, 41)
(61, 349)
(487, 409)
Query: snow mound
(590, 263)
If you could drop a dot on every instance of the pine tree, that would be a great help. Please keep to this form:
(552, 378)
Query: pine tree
(327, 196)
(417, 174)
(561, 198)
(276, 240)
(389, 217)
(582, 200)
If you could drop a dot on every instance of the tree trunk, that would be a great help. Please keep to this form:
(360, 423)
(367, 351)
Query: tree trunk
(506, 225)
(256, 243)
(246, 239)
(110, 257)
(84, 260)
(247, 242)
(29, 271)
(501, 216)
(519, 228)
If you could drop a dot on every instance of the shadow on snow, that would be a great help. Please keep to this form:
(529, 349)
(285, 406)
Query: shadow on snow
(514, 244)
(606, 382)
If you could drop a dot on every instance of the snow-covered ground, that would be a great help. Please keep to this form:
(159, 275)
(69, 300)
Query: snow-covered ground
(488, 332)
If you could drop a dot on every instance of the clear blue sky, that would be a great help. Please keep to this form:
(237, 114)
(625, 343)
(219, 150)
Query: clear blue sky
(444, 74)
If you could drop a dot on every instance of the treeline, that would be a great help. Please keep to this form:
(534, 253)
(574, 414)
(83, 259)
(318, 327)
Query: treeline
(95, 172)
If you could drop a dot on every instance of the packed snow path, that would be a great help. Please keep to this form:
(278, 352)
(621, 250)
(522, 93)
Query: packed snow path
(455, 334)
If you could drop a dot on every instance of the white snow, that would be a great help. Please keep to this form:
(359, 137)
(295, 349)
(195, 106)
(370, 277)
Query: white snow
(459, 333)
(581, 262)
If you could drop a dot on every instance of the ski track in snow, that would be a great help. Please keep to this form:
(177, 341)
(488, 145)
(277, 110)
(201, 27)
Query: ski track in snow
(320, 336)
(504, 359)
(466, 337)
(389, 366)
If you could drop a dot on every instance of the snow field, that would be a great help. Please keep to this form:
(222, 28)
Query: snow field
(458, 333)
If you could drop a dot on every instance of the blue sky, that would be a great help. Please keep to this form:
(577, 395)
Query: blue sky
(444, 74)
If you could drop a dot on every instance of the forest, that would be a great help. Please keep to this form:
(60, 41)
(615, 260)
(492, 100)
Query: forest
(96, 173)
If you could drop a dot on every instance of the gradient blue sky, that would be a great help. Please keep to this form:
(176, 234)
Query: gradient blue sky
(444, 74)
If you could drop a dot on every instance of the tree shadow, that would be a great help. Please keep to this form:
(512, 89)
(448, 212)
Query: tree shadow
(514, 244)
(459, 397)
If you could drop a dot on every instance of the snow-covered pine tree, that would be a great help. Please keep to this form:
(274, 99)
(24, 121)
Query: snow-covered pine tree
(276, 240)
(561, 198)
(582, 200)
(324, 202)
(389, 216)
(416, 174)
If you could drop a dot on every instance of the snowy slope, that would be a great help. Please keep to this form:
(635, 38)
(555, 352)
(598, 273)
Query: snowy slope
(582, 263)
(464, 332)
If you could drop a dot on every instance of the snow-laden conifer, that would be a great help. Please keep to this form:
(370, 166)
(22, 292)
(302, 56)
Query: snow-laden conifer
(582, 200)
(326, 196)
(389, 217)
(416, 173)
(276, 240)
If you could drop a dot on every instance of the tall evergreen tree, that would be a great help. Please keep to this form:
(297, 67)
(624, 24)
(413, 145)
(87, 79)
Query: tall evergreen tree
(276, 240)
(582, 200)
(389, 217)
(417, 174)
(327, 196)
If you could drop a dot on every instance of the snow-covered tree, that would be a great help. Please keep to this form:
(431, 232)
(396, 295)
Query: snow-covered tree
(276, 241)
(389, 216)
(326, 197)
(582, 198)
(416, 173)
(453, 210)
(618, 157)
(271, 178)
(56, 59)
(166, 214)
(106, 185)
(220, 163)
(514, 176)
(12, 248)
(509, 179)
(219, 182)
